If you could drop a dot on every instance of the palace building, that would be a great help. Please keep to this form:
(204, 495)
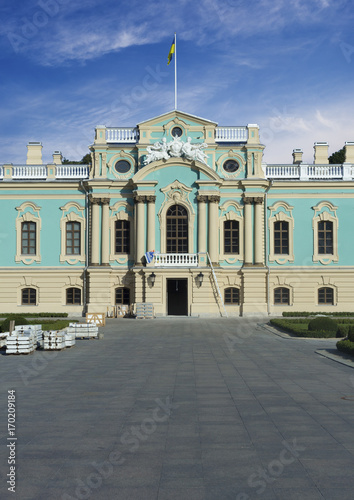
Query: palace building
(230, 235)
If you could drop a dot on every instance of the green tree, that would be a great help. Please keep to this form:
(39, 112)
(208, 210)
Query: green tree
(85, 160)
(337, 157)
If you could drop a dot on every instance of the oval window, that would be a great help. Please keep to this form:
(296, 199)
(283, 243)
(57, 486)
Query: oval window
(231, 166)
(122, 166)
(176, 132)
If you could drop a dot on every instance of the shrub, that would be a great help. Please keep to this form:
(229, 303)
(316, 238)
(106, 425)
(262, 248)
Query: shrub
(322, 323)
(19, 320)
(299, 328)
(305, 314)
(346, 346)
(351, 333)
(342, 331)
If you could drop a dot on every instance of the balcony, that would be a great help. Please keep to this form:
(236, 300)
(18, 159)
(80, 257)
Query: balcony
(231, 134)
(127, 135)
(40, 172)
(175, 260)
(310, 172)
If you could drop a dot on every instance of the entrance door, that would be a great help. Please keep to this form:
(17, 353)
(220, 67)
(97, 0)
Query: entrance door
(177, 297)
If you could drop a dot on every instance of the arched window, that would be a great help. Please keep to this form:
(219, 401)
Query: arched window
(73, 296)
(29, 296)
(177, 229)
(232, 296)
(122, 296)
(281, 296)
(326, 296)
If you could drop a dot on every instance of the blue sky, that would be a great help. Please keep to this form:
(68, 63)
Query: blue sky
(68, 66)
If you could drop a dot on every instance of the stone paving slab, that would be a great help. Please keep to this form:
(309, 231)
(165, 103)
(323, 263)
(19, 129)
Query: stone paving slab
(181, 409)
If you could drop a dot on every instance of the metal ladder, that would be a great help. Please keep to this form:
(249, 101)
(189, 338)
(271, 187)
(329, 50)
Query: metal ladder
(216, 284)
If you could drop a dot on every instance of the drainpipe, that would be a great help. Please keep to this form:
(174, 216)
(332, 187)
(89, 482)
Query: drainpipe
(266, 242)
(84, 299)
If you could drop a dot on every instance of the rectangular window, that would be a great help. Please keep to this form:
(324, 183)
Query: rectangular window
(29, 296)
(73, 296)
(28, 238)
(325, 296)
(281, 296)
(231, 236)
(73, 237)
(281, 237)
(122, 236)
(325, 237)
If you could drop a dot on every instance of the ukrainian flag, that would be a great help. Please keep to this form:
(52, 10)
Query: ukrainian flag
(172, 51)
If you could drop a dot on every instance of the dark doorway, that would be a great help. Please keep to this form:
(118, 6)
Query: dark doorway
(177, 297)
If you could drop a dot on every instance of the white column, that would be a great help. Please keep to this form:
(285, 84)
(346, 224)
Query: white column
(105, 232)
(140, 228)
(95, 234)
(202, 200)
(150, 223)
(214, 228)
(248, 239)
(258, 231)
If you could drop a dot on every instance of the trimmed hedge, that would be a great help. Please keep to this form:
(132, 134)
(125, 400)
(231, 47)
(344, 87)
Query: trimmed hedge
(287, 314)
(346, 346)
(36, 315)
(300, 329)
(322, 323)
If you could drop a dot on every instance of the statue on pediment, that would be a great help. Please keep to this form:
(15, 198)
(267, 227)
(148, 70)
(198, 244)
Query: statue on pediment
(163, 150)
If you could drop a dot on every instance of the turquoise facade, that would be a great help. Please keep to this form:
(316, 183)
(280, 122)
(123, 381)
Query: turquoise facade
(262, 238)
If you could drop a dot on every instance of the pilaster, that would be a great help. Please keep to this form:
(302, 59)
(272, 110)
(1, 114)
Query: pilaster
(214, 228)
(202, 201)
(105, 232)
(140, 227)
(150, 222)
(95, 231)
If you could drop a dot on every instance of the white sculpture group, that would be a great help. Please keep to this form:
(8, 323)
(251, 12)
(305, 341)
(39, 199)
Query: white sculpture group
(164, 150)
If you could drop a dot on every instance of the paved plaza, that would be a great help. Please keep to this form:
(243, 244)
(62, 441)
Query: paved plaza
(181, 409)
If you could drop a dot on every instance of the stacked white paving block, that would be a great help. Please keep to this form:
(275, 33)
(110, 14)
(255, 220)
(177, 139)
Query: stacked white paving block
(37, 329)
(21, 342)
(3, 339)
(69, 338)
(83, 330)
(53, 340)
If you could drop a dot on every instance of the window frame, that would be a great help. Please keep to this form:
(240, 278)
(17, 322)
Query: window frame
(125, 290)
(125, 243)
(325, 289)
(72, 232)
(233, 290)
(30, 290)
(325, 211)
(74, 290)
(281, 289)
(281, 212)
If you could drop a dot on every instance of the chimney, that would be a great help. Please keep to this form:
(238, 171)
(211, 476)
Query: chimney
(297, 156)
(321, 153)
(57, 158)
(349, 152)
(34, 153)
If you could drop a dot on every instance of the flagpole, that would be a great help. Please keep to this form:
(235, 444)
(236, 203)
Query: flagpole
(175, 71)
